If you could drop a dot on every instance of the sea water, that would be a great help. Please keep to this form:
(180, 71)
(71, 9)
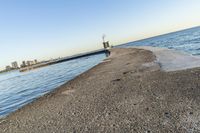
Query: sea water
(19, 88)
(186, 40)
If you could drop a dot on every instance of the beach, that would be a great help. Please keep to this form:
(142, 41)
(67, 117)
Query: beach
(128, 92)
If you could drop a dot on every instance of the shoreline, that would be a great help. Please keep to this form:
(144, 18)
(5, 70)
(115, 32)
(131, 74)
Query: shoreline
(172, 60)
(60, 60)
(49, 94)
(126, 92)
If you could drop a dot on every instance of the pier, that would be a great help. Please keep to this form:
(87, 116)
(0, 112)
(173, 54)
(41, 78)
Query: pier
(130, 92)
(60, 60)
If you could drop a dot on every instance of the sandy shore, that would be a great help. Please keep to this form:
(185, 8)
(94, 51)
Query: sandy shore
(128, 92)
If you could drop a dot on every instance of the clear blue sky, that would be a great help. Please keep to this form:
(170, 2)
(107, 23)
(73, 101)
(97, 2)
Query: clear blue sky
(41, 29)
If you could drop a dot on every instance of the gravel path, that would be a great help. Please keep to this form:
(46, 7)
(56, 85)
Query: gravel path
(126, 93)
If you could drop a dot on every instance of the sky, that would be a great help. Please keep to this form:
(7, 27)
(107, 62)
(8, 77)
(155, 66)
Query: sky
(44, 29)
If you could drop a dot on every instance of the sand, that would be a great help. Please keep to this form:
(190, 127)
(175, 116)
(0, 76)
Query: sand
(127, 92)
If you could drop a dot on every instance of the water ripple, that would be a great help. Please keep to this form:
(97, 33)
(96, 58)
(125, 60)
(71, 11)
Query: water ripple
(17, 89)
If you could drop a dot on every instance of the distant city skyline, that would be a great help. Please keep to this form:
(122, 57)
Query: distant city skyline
(47, 29)
(17, 65)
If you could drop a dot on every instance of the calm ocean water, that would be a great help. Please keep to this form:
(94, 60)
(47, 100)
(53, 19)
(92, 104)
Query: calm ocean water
(18, 89)
(187, 41)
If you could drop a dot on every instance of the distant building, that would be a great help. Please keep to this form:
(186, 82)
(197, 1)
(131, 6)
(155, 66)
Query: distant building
(15, 65)
(8, 68)
(35, 61)
(23, 64)
(29, 63)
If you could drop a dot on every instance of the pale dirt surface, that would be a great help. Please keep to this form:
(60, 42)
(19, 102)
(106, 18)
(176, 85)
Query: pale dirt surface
(172, 60)
(126, 93)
